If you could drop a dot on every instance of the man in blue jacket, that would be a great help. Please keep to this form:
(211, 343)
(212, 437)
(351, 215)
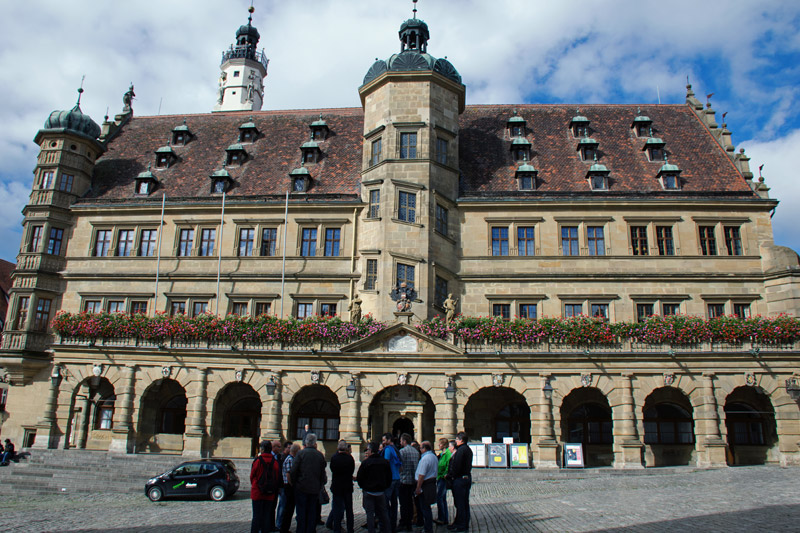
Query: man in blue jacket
(390, 454)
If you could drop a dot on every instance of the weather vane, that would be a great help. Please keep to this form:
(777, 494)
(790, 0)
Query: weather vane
(415, 8)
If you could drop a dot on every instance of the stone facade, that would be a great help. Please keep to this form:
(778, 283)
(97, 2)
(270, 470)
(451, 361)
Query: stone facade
(414, 188)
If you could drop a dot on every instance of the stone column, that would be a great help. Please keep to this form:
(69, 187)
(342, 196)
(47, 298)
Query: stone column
(628, 447)
(46, 426)
(194, 437)
(710, 446)
(446, 416)
(122, 434)
(351, 421)
(544, 446)
(271, 413)
(85, 418)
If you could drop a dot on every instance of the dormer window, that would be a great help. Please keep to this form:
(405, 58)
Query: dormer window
(516, 126)
(526, 177)
(641, 124)
(311, 152)
(145, 183)
(669, 176)
(236, 155)
(221, 181)
(654, 148)
(579, 125)
(319, 130)
(598, 176)
(181, 135)
(301, 179)
(165, 156)
(248, 132)
(588, 149)
(521, 149)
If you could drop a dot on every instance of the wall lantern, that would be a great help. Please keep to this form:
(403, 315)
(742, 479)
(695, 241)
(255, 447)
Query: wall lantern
(55, 375)
(450, 390)
(793, 387)
(351, 388)
(547, 389)
(271, 386)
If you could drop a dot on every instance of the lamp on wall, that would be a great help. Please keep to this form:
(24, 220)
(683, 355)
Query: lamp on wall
(547, 389)
(351, 388)
(793, 387)
(450, 390)
(271, 386)
(55, 375)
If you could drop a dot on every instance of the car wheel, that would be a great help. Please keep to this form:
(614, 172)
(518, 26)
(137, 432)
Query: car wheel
(217, 493)
(155, 494)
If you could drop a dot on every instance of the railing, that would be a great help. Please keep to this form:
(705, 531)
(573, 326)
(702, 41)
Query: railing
(45, 262)
(26, 340)
(51, 197)
(245, 52)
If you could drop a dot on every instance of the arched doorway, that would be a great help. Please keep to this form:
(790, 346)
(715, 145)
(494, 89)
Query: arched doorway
(586, 419)
(498, 412)
(396, 409)
(92, 414)
(162, 420)
(236, 421)
(750, 421)
(668, 428)
(317, 406)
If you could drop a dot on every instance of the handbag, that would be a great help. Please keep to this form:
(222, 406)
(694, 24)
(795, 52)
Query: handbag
(324, 497)
(429, 491)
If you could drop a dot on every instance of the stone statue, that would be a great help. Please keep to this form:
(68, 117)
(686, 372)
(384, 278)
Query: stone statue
(355, 309)
(251, 86)
(222, 78)
(127, 100)
(450, 308)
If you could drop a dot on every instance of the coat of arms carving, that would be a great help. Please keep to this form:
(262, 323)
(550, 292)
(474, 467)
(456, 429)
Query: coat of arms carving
(315, 377)
(750, 379)
(239, 375)
(497, 379)
(586, 380)
(669, 379)
(402, 379)
(166, 371)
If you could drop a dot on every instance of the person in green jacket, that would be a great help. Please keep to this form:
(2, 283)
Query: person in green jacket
(445, 453)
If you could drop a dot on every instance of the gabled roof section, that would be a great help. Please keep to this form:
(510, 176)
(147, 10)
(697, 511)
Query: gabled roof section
(380, 342)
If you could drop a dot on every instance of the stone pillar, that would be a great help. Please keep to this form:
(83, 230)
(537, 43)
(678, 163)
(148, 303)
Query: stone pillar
(351, 421)
(446, 416)
(194, 437)
(85, 418)
(544, 446)
(628, 447)
(271, 413)
(46, 430)
(122, 434)
(710, 446)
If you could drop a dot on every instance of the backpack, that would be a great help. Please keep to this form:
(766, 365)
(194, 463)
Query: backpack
(268, 482)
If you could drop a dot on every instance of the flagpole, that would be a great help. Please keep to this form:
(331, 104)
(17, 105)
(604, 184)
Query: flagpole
(283, 262)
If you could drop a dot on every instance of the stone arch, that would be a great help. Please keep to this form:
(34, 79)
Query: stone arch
(751, 428)
(402, 401)
(91, 409)
(162, 417)
(235, 421)
(318, 406)
(498, 412)
(668, 422)
(586, 418)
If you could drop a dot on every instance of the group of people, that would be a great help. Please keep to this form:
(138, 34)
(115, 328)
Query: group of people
(7, 452)
(394, 475)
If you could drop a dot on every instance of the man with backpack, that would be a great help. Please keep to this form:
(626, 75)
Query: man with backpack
(265, 484)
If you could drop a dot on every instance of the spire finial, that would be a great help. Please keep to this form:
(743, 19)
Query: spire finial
(415, 8)
(250, 10)
(651, 131)
(595, 156)
(666, 159)
(80, 91)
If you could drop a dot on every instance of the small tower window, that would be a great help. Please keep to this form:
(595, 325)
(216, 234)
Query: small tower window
(221, 181)
(310, 152)
(641, 124)
(145, 183)
(579, 125)
(516, 126)
(588, 149)
(521, 149)
(598, 176)
(669, 176)
(165, 157)
(300, 179)
(654, 147)
(248, 132)
(235, 155)
(526, 177)
(181, 135)
(319, 130)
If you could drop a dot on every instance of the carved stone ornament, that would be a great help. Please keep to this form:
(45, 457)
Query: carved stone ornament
(315, 375)
(166, 371)
(239, 375)
(4, 377)
(402, 379)
(750, 379)
(97, 370)
(669, 379)
(586, 380)
(497, 379)
(403, 343)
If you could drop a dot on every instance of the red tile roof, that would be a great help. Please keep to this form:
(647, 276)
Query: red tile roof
(486, 163)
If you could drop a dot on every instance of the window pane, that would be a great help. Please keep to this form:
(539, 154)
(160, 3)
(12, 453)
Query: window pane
(407, 208)
(440, 291)
(147, 246)
(441, 219)
(376, 152)
(499, 241)
(177, 308)
(733, 241)
(36, 239)
(716, 310)
(304, 310)
(138, 308)
(308, 247)
(596, 240)
(372, 274)
(501, 310)
(199, 308)
(408, 146)
(664, 238)
(246, 239)
(269, 236)
(207, 238)
(643, 311)
(185, 242)
(639, 240)
(103, 243)
(54, 244)
(708, 243)
(42, 317)
(525, 241)
(125, 243)
(671, 309)
(332, 236)
(374, 203)
(527, 311)
(405, 274)
(571, 310)
(569, 240)
(600, 311)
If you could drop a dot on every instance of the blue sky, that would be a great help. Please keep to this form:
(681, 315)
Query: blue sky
(507, 51)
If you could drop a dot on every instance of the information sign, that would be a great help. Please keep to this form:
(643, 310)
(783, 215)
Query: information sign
(498, 455)
(478, 455)
(573, 455)
(520, 458)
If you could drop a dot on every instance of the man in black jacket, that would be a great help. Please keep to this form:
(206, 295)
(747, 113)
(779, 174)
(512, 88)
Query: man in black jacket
(460, 472)
(374, 477)
(342, 467)
(308, 477)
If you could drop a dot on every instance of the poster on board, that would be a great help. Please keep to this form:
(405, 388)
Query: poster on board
(520, 458)
(498, 455)
(573, 455)
(478, 455)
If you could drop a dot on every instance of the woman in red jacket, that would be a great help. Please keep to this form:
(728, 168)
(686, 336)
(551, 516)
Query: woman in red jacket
(264, 486)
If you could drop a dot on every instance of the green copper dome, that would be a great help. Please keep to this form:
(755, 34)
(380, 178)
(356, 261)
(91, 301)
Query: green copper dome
(73, 121)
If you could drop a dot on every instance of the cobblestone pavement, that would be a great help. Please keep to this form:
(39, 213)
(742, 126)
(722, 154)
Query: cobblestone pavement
(734, 499)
